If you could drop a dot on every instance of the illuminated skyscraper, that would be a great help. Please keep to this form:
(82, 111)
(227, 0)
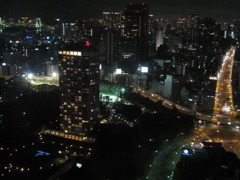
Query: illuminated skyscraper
(111, 20)
(79, 83)
(134, 34)
(192, 26)
(236, 28)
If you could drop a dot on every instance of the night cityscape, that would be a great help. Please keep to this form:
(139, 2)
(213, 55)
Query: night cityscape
(119, 90)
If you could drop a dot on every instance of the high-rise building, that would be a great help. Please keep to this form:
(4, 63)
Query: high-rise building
(192, 21)
(111, 20)
(236, 28)
(79, 83)
(83, 31)
(159, 38)
(192, 26)
(152, 23)
(134, 34)
(181, 25)
(206, 31)
(109, 47)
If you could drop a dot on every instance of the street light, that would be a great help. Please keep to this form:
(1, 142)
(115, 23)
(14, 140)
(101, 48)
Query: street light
(30, 76)
(54, 74)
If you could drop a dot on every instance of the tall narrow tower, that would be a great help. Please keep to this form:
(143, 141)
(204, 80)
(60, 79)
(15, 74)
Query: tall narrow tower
(134, 34)
(1, 25)
(79, 83)
(38, 25)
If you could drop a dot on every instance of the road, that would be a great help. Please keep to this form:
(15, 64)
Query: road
(223, 97)
(228, 135)
(165, 159)
(169, 104)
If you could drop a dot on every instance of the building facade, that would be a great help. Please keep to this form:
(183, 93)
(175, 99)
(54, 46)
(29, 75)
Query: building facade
(134, 35)
(111, 20)
(79, 83)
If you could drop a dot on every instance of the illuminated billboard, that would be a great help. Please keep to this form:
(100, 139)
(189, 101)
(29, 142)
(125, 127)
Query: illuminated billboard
(144, 69)
(118, 71)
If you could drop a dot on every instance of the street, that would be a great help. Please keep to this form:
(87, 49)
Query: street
(165, 159)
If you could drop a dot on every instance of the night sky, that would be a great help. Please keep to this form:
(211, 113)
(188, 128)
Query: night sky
(223, 10)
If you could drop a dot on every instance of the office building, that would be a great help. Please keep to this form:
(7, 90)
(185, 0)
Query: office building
(109, 47)
(134, 35)
(192, 27)
(111, 20)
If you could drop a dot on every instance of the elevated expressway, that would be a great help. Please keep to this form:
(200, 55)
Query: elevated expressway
(169, 104)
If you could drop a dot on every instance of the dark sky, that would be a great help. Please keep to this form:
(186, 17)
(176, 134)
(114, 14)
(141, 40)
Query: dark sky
(223, 10)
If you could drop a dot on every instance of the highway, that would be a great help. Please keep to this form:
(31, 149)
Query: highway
(223, 97)
(226, 133)
(165, 160)
(169, 104)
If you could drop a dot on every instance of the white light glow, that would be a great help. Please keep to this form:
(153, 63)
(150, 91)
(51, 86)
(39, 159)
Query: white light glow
(79, 165)
(226, 108)
(118, 71)
(30, 76)
(54, 74)
(144, 69)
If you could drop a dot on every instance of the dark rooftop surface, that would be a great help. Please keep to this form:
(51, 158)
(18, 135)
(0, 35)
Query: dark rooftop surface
(79, 46)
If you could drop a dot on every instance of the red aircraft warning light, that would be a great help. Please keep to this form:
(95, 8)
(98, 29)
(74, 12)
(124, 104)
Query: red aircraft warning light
(87, 43)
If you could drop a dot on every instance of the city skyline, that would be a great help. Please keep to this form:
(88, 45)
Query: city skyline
(222, 10)
(119, 90)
